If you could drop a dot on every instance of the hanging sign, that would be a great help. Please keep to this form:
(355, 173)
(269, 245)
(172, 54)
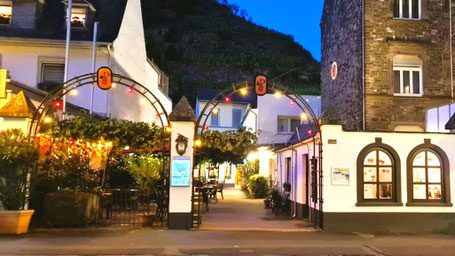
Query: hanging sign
(260, 85)
(104, 80)
(334, 71)
(3, 80)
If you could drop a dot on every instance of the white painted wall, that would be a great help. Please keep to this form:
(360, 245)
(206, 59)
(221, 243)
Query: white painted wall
(224, 113)
(271, 107)
(345, 152)
(437, 118)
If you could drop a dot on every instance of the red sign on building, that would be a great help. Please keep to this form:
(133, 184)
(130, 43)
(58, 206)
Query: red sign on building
(260, 85)
(104, 80)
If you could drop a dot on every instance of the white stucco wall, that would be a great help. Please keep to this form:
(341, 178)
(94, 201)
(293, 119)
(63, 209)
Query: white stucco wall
(271, 107)
(344, 154)
(224, 114)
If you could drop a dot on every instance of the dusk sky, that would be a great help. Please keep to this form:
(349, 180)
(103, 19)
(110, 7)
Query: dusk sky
(299, 18)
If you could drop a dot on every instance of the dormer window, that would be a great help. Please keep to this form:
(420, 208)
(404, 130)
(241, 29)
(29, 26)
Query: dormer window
(78, 17)
(6, 11)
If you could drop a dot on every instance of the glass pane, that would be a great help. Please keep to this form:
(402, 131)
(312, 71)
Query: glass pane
(405, 9)
(433, 160)
(415, 9)
(5, 14)
(385, 191)
(283, 125)
(396, 8)
(396, 81)
(420, 192)
(370, 159)
(406, 82)
(369, 174)
(434, 192)
(385, 174)
(370, 191)
(434, 175)
(419, 175)
(384, 159)
(78, 17)
(416, 82)
(215, 117)
(294, 124)
(419, 160)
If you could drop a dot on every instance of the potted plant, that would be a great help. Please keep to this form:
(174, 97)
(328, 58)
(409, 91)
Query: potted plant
(17, 158)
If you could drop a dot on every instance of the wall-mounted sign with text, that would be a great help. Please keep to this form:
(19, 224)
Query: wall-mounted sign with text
(181, 172)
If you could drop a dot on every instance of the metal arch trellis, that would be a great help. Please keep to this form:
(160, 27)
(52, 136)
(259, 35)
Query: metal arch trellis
(299, 101)
(91, 79)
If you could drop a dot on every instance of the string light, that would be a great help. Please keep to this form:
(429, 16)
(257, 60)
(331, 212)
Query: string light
(198, 143)
(206, 127)
(74, 92)
(278, 94)
(168, 129)
(58, 104)
(130, 90)
(47, 120)
(114, 85)
(304, 116)
(292, 103)
(310, 132)
(215, 111)
(244, 91)
(227, 99)
(143, 102)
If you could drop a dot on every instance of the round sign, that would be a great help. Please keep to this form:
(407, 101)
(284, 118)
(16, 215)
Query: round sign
(334, 71)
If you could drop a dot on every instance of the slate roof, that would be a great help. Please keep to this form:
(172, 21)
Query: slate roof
(207, 95)
(451, 124)
(302, 133)
(183, 111)
(50, 22)
(18, 106)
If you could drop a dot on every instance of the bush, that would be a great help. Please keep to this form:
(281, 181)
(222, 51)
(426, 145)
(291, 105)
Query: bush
(259, 186)
(17, 158)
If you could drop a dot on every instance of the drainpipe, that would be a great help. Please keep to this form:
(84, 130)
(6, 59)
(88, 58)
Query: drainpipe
(363, 67)
(451, 50)
(294, 182)
(92, 91)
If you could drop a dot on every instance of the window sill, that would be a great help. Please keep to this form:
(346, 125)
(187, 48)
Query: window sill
(408, 95)
(372, 204)
(429, 204)
(407, 19)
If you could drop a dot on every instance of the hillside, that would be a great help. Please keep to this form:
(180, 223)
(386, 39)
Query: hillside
(206, 44)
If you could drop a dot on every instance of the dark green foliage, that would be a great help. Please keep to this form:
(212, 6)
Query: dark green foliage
(69, 209)
(17, 158)
(259, 186)
(209, 44)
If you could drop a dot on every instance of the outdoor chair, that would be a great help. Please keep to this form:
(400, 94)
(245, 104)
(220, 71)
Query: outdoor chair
(281, 203)
(219, 189)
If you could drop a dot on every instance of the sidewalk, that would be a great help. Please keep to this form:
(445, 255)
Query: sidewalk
(238, 213)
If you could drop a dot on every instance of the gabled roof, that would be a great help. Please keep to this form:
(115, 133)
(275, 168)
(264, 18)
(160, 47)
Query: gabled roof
(183, 112)
(207, 94)
(50, 22)
(451, 124)
(18, 106)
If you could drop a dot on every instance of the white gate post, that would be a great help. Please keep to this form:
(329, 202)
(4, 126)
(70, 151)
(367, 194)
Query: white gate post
(183, 120)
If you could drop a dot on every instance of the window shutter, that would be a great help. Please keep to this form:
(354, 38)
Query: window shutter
(53, 73)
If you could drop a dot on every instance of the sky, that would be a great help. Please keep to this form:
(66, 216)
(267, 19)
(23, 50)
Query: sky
(298, 18)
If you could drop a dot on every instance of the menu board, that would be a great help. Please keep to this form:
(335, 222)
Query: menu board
(181, 172)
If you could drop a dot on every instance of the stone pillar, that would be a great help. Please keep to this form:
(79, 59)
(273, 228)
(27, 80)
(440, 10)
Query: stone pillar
(183, 121)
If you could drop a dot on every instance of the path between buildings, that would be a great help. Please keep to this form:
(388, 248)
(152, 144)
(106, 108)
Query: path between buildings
(238, 213)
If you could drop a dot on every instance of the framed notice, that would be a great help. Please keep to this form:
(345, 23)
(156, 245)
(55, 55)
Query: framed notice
(341, 176)
(181, 172)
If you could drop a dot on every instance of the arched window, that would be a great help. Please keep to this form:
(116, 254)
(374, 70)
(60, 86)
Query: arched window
(378, 171)
(428, 176)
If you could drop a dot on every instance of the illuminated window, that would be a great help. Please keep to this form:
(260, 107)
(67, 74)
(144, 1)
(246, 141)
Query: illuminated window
(78, 16)
(6, 11)
(428, 175)
(378, 176)
(407, 9)
(407, 75)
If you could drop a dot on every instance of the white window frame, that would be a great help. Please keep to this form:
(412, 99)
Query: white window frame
(400, 12)
(289, 118)
(10, 3)
(47, 60)
(218, 120)
(411, 81)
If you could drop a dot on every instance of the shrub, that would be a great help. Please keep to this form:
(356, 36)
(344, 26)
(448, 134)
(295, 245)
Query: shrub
(17, 157)
(259, 186)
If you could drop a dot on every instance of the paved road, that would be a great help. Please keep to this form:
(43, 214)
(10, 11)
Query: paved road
(168, 242)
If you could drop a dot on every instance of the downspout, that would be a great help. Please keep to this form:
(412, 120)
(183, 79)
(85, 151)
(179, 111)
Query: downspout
(451, 50)
(108, 105)
(363, 67)
(294, 182)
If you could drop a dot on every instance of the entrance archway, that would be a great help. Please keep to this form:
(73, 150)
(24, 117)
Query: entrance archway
(126, 215)
(306, 110)
(91, 79)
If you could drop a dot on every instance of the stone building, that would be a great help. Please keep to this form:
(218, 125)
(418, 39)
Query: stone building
(384, 63)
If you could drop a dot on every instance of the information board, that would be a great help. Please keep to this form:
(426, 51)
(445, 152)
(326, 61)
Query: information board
(181, 172)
